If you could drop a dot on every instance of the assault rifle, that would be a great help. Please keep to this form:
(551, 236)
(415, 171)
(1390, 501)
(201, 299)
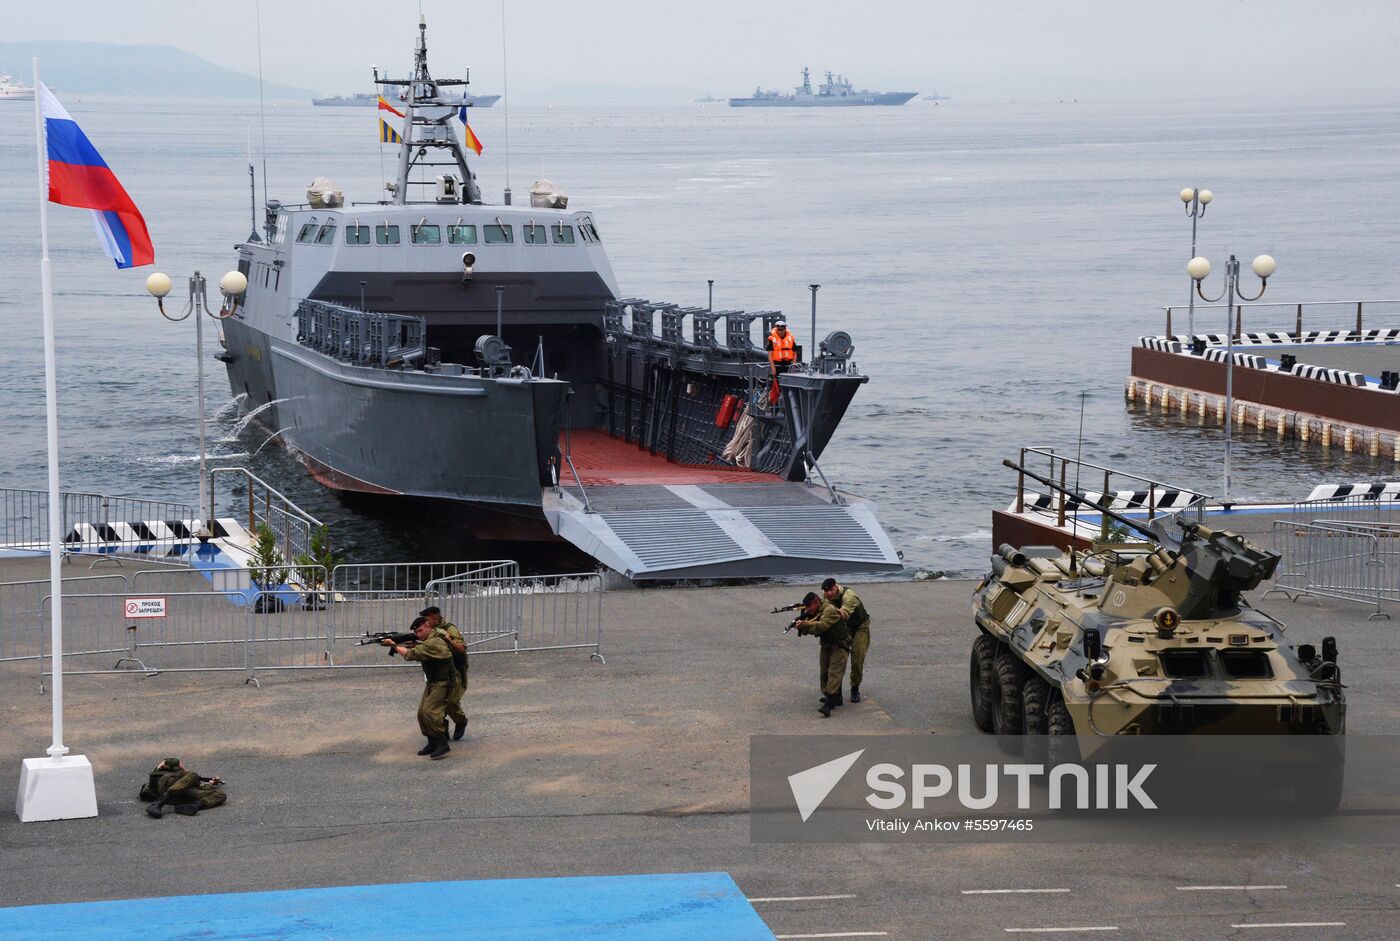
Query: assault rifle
(795, 606)
(407, 639)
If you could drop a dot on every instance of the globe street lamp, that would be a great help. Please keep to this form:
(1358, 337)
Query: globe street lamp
(232, 285)
(1196, 201)
(1199, 268)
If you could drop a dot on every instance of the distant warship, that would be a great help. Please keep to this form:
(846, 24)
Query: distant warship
(836, 91)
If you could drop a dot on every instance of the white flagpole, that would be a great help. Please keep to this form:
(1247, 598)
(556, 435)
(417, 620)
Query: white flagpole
(59, 787)
(57, 749)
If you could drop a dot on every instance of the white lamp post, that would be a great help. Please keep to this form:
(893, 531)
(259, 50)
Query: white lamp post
(232, 285)
(1199, 269)
(1196, 201)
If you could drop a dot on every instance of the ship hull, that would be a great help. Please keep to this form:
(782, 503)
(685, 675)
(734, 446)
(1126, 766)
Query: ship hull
(484, 441)
(825, 101)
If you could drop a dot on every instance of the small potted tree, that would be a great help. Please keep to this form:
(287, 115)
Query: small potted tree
(268, 569)
(316, 578)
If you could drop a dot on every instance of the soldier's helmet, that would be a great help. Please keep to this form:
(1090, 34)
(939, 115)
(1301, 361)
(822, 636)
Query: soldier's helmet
(169, 764)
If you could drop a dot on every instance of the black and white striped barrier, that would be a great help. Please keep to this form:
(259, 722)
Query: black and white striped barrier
(146, 537)
(1381, 492)
(1165, 500)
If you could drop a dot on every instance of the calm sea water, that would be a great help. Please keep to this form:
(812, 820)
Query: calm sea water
(991, 260)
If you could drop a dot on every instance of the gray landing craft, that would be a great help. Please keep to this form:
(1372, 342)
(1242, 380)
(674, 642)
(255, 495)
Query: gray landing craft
(368, 340)
(835, 92)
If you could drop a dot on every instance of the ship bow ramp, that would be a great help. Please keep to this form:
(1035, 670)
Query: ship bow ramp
(704, 529)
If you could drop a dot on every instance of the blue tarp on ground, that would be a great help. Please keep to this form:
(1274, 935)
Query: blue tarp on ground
(704, 905)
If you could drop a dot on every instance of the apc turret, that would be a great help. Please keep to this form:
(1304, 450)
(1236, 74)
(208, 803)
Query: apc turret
(1150, 637)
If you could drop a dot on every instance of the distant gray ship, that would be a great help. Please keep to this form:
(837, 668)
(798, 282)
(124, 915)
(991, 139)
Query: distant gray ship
(837, 91)
(369, 101)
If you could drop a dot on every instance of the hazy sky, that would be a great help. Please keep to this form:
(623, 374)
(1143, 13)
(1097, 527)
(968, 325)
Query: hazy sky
(1002, 48)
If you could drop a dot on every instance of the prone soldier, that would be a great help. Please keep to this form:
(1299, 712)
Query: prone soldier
(821, 619)
(189, 793)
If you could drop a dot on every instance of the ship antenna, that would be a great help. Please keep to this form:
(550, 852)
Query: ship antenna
(505, 93)
(262, 109)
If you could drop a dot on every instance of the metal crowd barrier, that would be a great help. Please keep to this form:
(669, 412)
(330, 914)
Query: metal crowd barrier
(98, 524)
(515, 614)
(1357, 562)
(24, 611)
(156, 622)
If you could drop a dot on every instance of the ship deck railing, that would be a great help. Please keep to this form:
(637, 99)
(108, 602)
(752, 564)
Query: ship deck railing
(1270, 315)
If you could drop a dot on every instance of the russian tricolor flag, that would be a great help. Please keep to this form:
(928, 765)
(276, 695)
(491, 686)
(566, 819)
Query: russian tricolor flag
(78, 176)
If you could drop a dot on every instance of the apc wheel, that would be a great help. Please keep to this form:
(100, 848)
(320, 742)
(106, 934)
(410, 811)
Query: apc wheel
(982, 679)
(1011, 676)
(1060, 742)
(1319, 790)
(1035, 695)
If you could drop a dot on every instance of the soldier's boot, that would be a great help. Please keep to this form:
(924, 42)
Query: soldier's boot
(828, 703)
(459, 729)
(189, 810)
(157, 807)
(428, 748)
(855, 694)
(440, 748)
(839, 700)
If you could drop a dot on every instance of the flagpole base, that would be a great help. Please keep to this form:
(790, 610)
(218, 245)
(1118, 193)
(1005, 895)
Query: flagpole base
(56, 789)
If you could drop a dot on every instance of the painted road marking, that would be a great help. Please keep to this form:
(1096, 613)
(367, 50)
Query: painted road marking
(1010, 891)
(1295, 924)
(837, 934)
(1054, 930)
(800, 898)
(1228, 888)
(602, 908)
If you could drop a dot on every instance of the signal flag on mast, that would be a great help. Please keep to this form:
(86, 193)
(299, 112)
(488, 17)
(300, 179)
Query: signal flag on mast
(385, 106)
(387, 135)
(472, 141)
(78, 176)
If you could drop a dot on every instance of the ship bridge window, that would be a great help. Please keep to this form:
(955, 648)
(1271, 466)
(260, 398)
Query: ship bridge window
(563, 234)
(356, 234)
(461, 234)
(534, 234)
(591, 231)
(326, 234)
(386, 234)
(498, 234)
(426, 234)
(308, 231)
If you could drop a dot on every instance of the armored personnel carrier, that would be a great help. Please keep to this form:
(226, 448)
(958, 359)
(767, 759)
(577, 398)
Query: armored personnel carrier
(1141, 638)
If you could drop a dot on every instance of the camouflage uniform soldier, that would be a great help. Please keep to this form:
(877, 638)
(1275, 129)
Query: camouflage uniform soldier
(439, 679)
(822, 619)
(459, 662)
(858, 622)
(187, 792)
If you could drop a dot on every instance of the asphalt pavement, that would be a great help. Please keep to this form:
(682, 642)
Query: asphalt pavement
(574, 767)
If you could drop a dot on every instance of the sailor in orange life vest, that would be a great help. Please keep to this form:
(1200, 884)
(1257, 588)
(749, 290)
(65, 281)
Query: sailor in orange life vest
(782, 348)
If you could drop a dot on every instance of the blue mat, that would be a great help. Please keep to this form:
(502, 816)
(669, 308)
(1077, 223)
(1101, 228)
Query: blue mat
(704, 905)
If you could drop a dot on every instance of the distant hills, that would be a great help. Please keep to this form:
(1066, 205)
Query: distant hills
(99, 68)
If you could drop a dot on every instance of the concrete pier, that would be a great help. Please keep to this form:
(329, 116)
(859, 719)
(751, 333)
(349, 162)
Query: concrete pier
(639, 765)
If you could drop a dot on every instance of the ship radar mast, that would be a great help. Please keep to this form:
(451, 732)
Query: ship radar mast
(427, 132)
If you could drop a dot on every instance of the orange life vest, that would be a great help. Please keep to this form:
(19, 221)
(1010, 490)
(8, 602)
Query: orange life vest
(781, 347)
